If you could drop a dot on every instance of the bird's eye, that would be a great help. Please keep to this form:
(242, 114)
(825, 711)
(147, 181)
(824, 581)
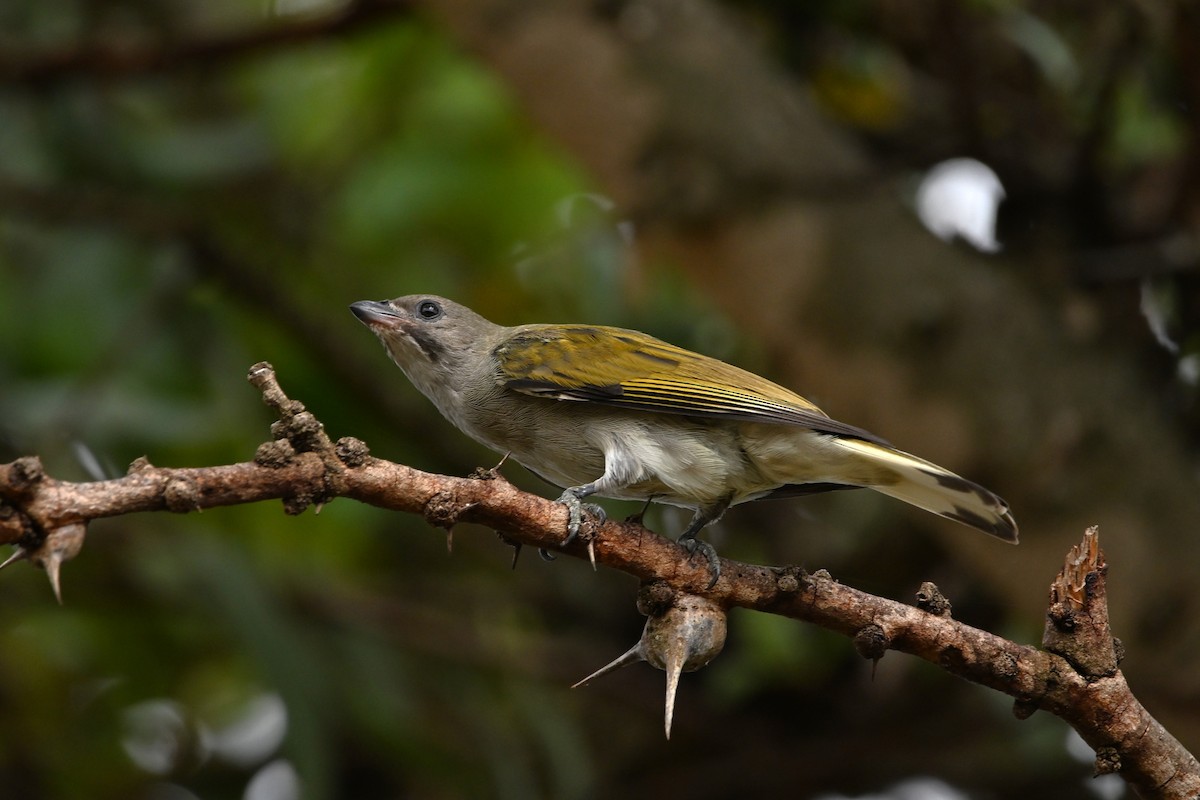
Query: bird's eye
(429, 309)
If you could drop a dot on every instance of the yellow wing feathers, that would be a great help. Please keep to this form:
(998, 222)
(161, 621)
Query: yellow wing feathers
(626, 368)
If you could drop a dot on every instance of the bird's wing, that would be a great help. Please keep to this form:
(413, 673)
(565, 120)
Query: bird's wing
(629, 369)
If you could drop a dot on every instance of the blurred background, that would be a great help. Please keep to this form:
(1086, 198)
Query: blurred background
(970, 226)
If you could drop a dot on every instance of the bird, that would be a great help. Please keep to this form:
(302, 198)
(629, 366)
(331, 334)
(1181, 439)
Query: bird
(617, 413)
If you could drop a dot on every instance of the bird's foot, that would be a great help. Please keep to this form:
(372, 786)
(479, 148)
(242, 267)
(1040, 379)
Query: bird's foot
(575, 510)
(694, 545)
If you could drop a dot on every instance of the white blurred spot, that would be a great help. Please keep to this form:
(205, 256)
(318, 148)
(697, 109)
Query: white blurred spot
(88, 460)
(1105, 787)
(168, 791)
(256, 733)
(293, 8)
(1078, 749)
(911, 789)
(626, 230)
(157, 735)
(1156, 304)
(960, 198)
(1188, 369)
(276, 781)
(566, 209)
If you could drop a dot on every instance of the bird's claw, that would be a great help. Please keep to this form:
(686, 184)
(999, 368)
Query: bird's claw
(575, 511)
(692, 544)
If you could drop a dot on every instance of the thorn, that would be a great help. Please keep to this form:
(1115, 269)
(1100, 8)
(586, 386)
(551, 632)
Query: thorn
(20, 555)
(641, 515)
(631, 656)
(52, 564)
(684, 638)
(515, 545)
(502, 460)
(317, 508)
(591, 548)
(673, 668)
(450, 541)
(60, 545)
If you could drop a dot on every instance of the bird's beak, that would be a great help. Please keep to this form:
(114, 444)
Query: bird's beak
(376, 313)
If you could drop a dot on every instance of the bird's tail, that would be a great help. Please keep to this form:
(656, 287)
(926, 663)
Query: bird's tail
(934, 489)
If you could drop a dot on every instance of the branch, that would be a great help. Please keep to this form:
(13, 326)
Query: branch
(124, 58)
(1075, 677)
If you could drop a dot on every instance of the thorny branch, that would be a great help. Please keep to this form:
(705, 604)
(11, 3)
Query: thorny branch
(1076, 676)
(108, 58)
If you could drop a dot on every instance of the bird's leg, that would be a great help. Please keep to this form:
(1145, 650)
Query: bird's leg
(704, 516)
(573, 499)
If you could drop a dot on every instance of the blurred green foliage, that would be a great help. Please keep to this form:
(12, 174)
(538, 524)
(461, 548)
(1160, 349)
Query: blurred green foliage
(160, 233)
(363, 167)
